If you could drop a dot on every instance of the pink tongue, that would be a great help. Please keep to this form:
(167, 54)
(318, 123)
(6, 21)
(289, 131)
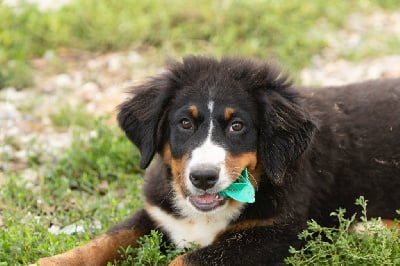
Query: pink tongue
(206, 198)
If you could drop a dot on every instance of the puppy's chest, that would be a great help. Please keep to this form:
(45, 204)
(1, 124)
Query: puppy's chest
(185, 232)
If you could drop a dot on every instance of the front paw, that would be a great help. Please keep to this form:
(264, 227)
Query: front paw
(179, 261)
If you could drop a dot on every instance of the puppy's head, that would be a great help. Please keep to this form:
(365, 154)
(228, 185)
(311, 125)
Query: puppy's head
(209, 120)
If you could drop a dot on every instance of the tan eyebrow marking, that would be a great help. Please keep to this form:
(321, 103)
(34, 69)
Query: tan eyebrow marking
(228, 113)
(194, 111)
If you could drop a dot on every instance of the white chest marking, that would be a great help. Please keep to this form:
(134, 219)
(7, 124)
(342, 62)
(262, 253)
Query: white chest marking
(200, 230)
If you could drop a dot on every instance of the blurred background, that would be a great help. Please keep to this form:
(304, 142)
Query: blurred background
(66, 171)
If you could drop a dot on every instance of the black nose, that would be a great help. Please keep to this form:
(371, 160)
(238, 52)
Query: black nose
(204, 178)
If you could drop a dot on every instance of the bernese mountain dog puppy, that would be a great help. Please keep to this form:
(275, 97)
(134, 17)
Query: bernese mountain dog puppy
(307, 152)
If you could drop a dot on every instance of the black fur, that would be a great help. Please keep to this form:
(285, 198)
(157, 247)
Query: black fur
(140, 117)
(319, 149)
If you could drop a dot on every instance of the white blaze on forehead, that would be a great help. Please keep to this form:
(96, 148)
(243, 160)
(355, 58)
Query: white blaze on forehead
(211, 107)
(208, 153)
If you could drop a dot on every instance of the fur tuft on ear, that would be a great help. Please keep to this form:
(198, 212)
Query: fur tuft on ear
(288, 134)
(141, 116)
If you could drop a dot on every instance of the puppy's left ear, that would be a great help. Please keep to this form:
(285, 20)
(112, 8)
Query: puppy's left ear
(286, 132)
(141, 117)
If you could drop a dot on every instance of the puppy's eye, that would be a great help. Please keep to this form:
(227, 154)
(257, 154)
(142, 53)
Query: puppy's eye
(236, 126)
(186, 124)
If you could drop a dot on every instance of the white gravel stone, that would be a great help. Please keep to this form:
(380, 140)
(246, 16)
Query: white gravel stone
(8, 111)
(91, 91)
(341, 72)
(63, 81)
(69, 229)
(72, 229)
(134, 57)
(54, 229)
(114, 63)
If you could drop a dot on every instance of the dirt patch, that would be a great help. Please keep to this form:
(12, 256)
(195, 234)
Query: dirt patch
(362, 33)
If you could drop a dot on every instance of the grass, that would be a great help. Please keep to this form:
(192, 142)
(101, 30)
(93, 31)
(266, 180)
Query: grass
(151, 251)
(376, 245)
(280, 29)
(71, 116)
(97, 180)
(79, 187)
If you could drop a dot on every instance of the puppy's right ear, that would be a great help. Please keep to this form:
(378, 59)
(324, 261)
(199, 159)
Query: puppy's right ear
(140, 116)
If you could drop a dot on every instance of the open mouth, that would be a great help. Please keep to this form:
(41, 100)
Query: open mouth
(207, 202)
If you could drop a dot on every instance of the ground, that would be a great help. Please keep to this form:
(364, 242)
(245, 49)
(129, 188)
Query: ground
(88, 83)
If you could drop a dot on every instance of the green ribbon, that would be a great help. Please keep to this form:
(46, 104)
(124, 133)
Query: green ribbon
(241, 190)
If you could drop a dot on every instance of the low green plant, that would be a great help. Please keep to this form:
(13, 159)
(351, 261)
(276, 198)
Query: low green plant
(151, 251)
(100, 153)
(80, 186)
(68, 116)
(374, 245)
(16, 73)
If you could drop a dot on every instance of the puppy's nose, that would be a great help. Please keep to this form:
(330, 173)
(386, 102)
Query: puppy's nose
(204, 178)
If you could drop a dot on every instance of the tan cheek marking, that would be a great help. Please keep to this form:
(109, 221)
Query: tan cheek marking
(235, 164)
(194, 111)
(177, 167)
(233, 204)
(177, 164)
(228, 113)
(96, 252)
(166, 154)
(178, 170)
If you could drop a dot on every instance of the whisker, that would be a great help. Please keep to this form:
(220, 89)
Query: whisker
(239, 174)
(171, 192)
(167, 196)
(254, 179)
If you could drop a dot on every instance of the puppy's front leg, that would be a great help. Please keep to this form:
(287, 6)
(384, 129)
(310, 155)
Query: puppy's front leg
(105, 248)
(259, 245)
